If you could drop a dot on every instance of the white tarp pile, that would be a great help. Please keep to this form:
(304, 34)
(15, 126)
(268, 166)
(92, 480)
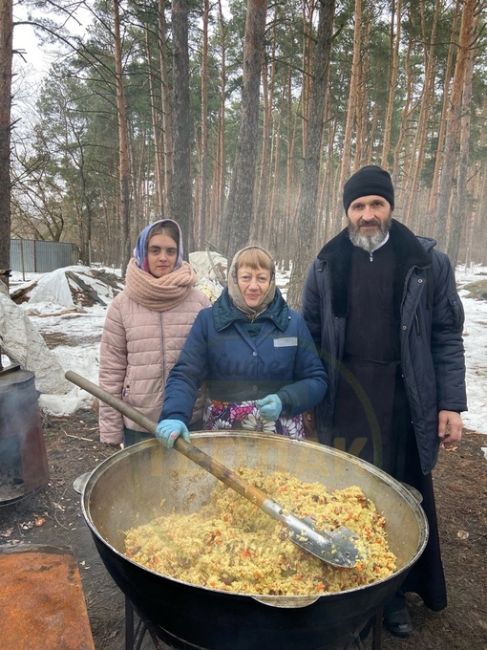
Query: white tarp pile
(211, 269)
(53, 287)
(61, 293)
(74, 286)
(20, 340)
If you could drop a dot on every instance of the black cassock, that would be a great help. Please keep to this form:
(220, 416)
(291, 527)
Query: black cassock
(372, 418)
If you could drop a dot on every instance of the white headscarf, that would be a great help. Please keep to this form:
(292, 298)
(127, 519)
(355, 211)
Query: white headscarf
(234, 290)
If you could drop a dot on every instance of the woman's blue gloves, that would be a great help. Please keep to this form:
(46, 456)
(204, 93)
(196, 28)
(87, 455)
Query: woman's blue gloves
(270, 407)
(169, 430)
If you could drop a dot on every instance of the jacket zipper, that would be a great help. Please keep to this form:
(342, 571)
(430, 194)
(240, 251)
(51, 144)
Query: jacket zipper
(163, 368)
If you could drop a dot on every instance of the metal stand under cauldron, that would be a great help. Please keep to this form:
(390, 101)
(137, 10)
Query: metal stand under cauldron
(23, 457)
(136, 629)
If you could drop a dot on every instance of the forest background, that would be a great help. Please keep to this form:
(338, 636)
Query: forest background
(242, 120)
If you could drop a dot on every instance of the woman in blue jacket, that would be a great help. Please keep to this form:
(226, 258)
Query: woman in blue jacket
(255, 355)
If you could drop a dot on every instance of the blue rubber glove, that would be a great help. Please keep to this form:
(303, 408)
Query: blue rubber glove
(169, 430)
(270, 407)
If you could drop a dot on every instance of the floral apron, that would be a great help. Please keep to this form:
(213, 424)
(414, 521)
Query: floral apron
(246, 415)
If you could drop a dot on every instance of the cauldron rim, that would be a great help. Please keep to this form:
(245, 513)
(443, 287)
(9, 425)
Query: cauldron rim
(270, 600)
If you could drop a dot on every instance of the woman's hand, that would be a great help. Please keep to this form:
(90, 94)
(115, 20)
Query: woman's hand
(169, 431)
(270, 407)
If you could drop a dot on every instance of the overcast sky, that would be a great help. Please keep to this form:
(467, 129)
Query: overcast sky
(33, 60)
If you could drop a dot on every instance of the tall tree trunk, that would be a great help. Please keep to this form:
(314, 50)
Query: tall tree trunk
(6, 34)
(306, 210)
(308, 16)
(166, 107)
(86, 216)
(238, 214)
(372, 130)
(353, 96)
(440, 146)
(220, 169)
(460, 216)
(124, 175)
(275, 225)
(137, 161)
(452, 140)
(327, 195)
(181, 193)
(201, 234)
(260, 221)
(156, 131)
(291, 126)
(361, 107)
(259, 211)
(412, 188)
(406, 111)
(395, 39)
(477, 248)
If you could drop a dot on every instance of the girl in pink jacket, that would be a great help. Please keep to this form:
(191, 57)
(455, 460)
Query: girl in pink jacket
(145, 328)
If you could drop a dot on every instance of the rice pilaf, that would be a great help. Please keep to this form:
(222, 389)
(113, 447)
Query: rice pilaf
(230, 544)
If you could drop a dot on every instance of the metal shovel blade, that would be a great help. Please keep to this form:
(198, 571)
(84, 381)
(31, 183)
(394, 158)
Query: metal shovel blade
(336, 547)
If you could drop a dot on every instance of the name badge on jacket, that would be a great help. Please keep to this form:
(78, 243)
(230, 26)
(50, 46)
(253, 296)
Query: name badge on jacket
(286, 342)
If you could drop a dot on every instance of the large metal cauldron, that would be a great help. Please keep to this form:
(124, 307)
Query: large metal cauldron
(128, 488)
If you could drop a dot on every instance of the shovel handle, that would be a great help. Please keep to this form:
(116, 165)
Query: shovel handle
(304, 536)
(189, 450)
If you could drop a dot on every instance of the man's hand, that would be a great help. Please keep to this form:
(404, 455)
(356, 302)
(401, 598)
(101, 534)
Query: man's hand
(450, 428)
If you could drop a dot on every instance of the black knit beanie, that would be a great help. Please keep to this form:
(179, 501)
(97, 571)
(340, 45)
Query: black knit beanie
(371, 179)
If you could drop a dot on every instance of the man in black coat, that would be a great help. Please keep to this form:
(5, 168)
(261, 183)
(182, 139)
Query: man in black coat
(383, 310)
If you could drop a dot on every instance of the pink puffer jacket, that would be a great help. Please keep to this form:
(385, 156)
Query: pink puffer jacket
(139, 347)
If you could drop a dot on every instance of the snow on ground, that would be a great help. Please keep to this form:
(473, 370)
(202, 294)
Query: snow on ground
(78, 332)
(475, 340)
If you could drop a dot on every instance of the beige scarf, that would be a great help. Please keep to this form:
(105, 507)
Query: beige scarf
(159, 294)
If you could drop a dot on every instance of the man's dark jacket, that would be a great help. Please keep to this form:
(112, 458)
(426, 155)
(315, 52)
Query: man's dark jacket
(431, 323)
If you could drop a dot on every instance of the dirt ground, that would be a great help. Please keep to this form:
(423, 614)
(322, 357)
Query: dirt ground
(53, 516)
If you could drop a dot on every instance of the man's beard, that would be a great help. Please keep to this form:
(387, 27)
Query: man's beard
(369, 242)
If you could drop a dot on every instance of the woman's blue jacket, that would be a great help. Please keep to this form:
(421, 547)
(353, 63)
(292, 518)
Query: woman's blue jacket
(242, 360)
